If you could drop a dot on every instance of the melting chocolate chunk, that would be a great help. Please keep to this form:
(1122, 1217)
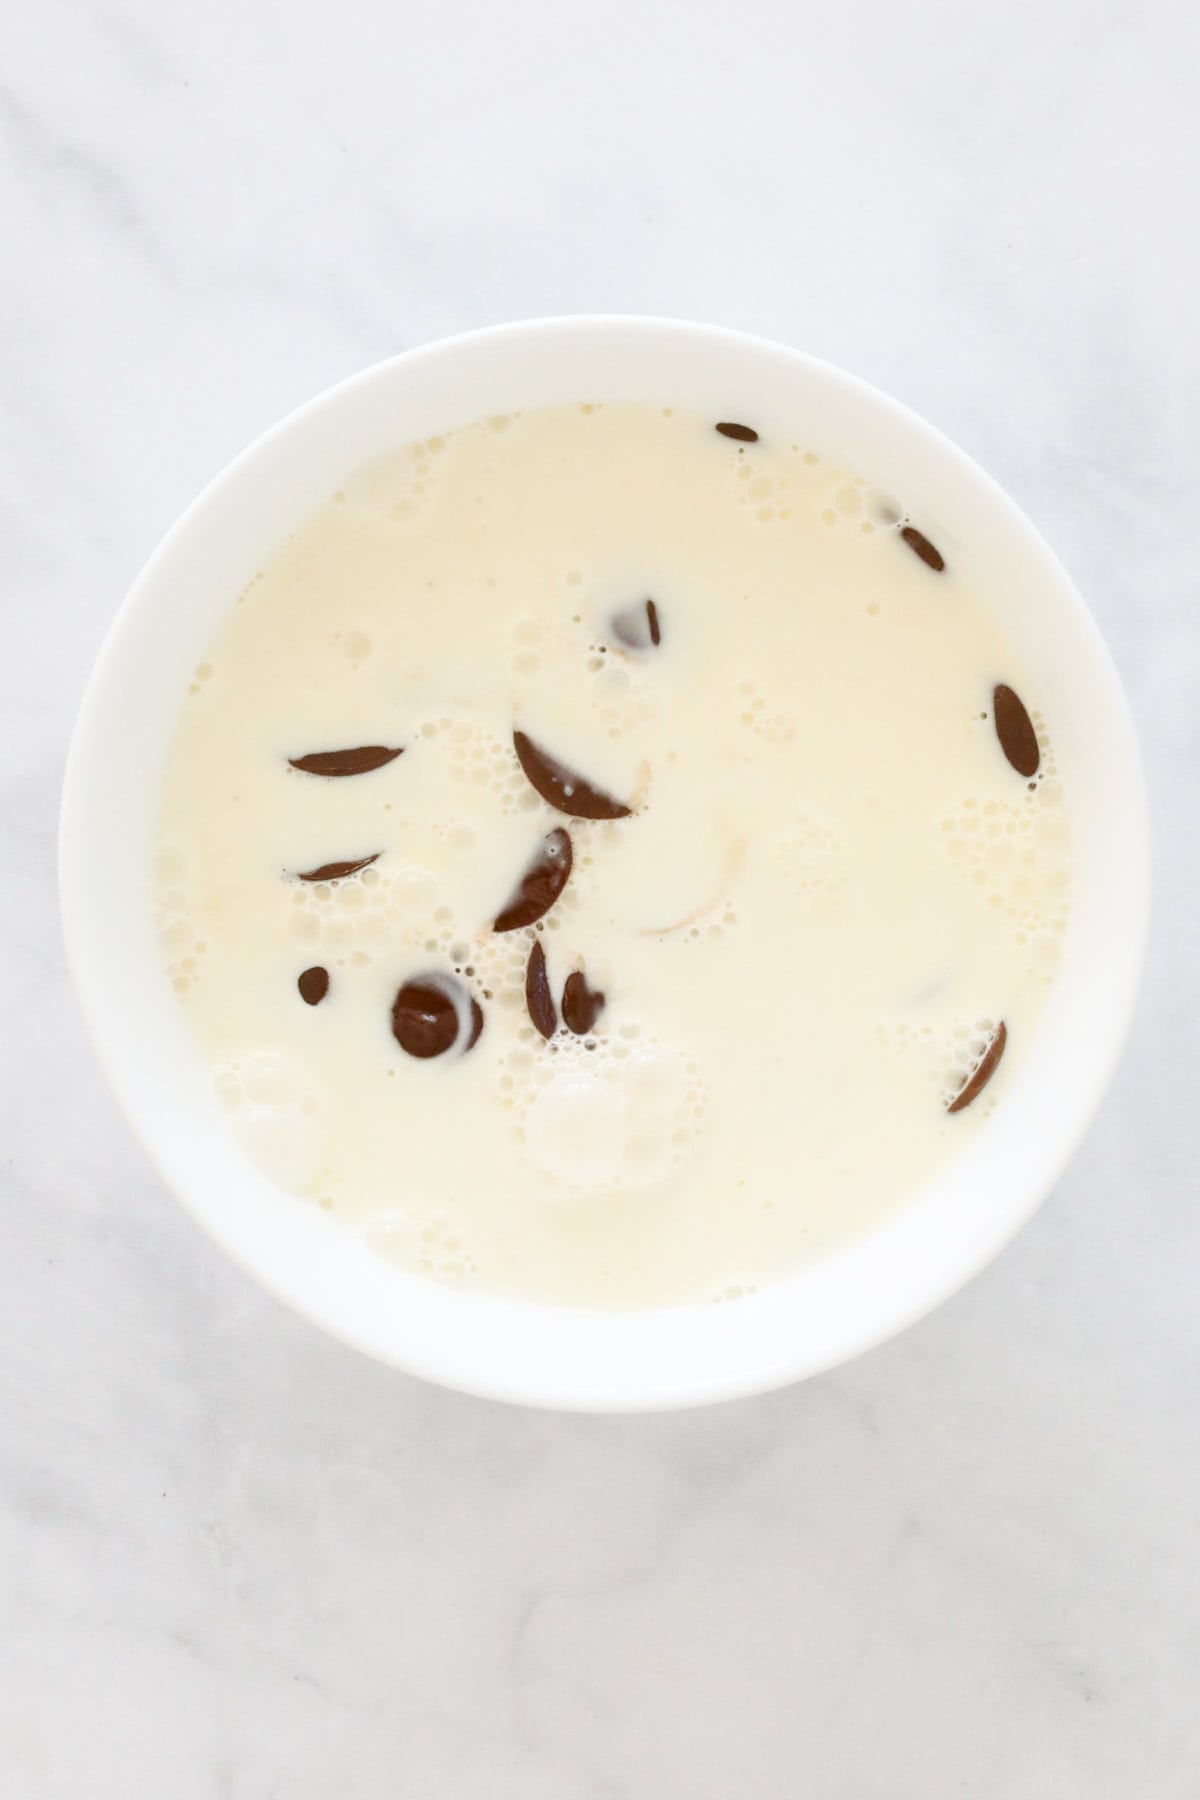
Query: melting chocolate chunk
(336, 871)
(544, 879)
(561, 787)
(313, 985)
(983, 1071)
(427, 1016)
(637, 627)
(538, 997)
(1014, 728)
(346, 762)
(920, 545)
(745, 434)
(581, 1005)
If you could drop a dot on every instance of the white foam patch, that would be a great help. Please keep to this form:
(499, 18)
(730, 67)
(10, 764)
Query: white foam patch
(607, 1113)
(655, 1080)
(576, 1127)
(180, 942)
(762, 717)
(274, 1116)
(423, 1242)
(946, 1053)
(270, 1079)
(1017, 856)
(813, 863)
(283, 1143)
(397, 485)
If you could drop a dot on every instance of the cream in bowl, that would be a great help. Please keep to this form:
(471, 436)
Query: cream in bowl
(605, 853)
(620, 829)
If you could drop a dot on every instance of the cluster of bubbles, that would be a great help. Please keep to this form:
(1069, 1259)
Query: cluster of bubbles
(527, 639)
(767, 498)
(617, 1108)
(846, 503)
(480, 760)
(359, 919)
(424, 1242)
(250, 585)
(617, 684)
(733, 1290)
(851, 506)
(182, 949)
(273, 1109)
(758, 717)
(613, 1108)
(1017, 854)
(353, 920)
(203, 673)
(398, 484)
(813, 863)
(948, 1056)
(623, 698)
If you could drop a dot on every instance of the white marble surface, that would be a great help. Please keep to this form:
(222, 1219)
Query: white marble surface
(239, 1562)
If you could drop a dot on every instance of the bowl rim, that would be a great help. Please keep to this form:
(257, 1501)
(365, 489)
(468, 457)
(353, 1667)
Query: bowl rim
(444, 1362)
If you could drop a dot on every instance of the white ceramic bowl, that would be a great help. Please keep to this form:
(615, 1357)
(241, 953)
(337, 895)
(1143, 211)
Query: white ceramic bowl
(607, 1361)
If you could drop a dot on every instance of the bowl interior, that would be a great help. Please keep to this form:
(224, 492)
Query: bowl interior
(540, 1355)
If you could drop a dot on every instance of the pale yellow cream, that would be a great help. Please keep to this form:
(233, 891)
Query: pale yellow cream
(831, 888)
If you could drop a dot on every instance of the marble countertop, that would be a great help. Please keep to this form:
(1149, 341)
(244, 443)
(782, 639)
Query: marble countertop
(238, 1561)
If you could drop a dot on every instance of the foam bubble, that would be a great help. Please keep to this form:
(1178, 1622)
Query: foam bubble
(766, 722)
(945, 1054)
(422, 1242)
(270, 1078)
(394, 1235)
(813, 862)
(413, 890)
(602, 1112)
(575, 1128)
(1017, 855)
(733, 1290)
(283, 1143)
(228, 1088)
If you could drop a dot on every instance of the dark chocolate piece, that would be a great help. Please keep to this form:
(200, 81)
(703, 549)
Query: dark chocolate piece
(335, 872)
(544, 879)
(346, 762)
(637, 627)
(581, 1005)
(561, 787)
(313, 985)
(425, 1016)
(983, 1071)
(538, 997)
(1014, 728)
(921, 546)
(338, 870)
(745, 434)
